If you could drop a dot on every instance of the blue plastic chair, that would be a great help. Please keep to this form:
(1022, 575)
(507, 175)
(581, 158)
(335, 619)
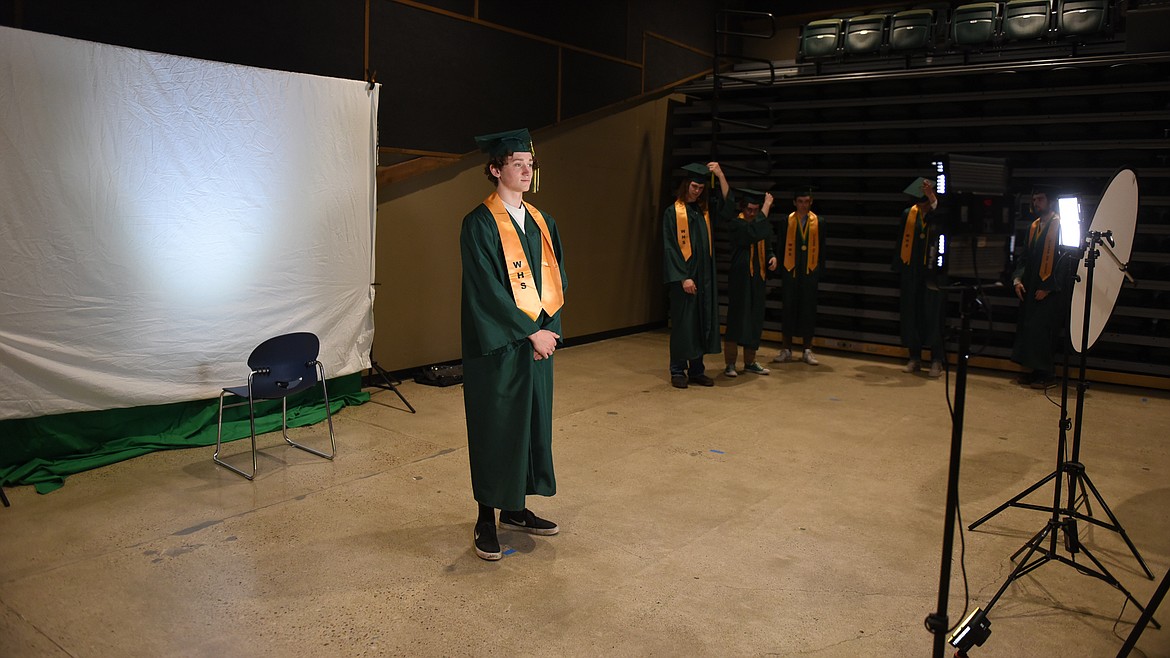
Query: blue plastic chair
(281, 366)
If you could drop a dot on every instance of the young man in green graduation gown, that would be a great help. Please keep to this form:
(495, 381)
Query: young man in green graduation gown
(921, 308)
(750, 235)
(1038, 282)
(689, 271)
(513, 290)
(803, 261)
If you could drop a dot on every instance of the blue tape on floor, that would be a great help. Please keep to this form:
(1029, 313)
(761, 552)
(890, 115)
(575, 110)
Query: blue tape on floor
(509, 551)
(718, 452)
(834, 399)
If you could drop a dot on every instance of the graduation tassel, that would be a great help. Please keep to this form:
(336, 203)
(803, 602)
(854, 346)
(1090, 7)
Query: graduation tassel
(535, 173)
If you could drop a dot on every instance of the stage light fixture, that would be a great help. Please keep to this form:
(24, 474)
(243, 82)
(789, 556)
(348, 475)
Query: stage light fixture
(971, 632)
(1069, 209)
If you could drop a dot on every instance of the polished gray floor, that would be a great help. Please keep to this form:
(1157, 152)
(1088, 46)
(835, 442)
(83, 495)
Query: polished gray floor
(798, 514)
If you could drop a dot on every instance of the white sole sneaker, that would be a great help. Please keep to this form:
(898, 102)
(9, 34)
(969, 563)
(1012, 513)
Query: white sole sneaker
(484, 555)
(530, 530)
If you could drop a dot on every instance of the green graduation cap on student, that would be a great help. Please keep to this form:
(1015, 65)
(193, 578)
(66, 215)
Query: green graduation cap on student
(501, 144)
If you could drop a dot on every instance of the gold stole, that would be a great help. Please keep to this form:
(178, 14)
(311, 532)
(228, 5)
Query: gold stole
(908, 236)
(680, 229)
(810, 235)
(1048, 256)
(756, 257)
(551, 298)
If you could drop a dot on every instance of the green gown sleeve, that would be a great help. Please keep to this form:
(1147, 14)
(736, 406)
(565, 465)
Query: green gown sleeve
(723, 209)
(769, 250)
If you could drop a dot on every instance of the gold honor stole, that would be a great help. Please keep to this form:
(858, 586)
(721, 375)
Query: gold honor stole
(552, 297)
(1049, 254)
(680, 229)
(810, 234)
(756, 257)
(908, 235)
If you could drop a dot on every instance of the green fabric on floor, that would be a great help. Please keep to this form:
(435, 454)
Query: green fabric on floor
(42, 451)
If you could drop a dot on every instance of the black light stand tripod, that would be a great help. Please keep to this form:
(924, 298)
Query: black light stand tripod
(1064, 519)
(388, 382)
(937, 622)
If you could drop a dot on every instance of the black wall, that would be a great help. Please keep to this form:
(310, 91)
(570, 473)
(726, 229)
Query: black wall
(448, 73)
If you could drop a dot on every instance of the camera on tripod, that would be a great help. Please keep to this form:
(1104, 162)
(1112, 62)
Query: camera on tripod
(974, 235)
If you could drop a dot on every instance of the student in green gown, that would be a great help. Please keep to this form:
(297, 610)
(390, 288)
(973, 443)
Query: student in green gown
(921, 308)
(802, 236)
(1039, 282)
(750, 236)
(689, 271)
(513, 290)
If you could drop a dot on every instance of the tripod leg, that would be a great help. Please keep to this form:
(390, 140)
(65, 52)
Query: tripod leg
(388, 383)
(1014, 501)
(1103, 573)
(1147, 615)
(1033, 545)
(1084, 478)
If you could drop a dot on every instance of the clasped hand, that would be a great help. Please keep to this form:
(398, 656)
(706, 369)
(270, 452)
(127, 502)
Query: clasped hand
(544, 343)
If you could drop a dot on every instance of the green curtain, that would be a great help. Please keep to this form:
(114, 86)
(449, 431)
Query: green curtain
(42, 451)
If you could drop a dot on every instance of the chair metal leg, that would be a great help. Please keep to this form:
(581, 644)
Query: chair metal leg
(219, 440)
(328, 419)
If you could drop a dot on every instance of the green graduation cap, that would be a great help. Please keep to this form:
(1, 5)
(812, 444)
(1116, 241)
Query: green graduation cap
(750, 196)
(697, 172)
(499, 145)
(915, 189)
(802, 190)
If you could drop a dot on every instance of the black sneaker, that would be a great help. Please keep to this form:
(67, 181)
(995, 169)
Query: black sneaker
(528, 522)
(702, 380)
(678, 381)
(485, 542)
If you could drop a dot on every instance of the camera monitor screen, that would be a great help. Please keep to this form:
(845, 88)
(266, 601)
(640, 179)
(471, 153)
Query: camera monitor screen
(974, 240)
(971, 174)
(974, 257)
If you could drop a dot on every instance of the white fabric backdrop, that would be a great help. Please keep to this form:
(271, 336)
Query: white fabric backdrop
(160, 216)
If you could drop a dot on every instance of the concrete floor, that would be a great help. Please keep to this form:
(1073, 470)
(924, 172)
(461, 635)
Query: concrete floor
(797, 515)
